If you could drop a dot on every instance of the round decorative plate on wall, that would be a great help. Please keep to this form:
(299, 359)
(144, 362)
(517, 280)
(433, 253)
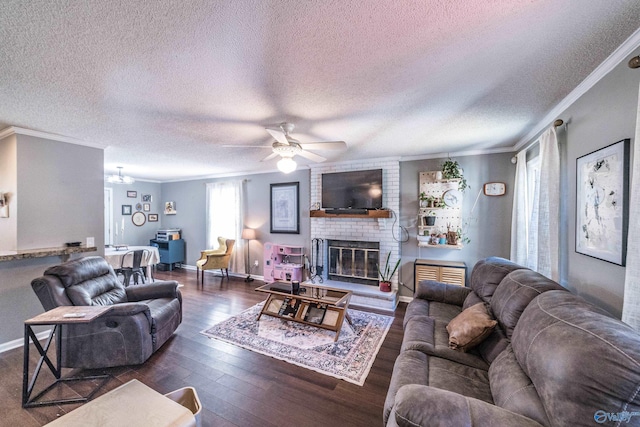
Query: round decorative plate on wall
(138, 218)
(452, 198)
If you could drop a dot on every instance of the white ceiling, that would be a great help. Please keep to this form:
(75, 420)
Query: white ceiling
(162, 85)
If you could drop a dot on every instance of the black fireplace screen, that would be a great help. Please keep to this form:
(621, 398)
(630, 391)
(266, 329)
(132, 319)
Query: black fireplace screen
(353, 261)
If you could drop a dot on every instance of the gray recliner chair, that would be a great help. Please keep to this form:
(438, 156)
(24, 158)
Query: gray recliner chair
(142, 319)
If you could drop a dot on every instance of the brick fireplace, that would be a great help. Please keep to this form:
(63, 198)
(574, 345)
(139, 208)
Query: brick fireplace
(368, 230)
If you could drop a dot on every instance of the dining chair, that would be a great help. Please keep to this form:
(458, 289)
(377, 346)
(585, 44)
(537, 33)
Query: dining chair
(134, 258)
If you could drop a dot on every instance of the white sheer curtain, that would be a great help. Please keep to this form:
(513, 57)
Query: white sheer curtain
(549, 205)
(225, 218)
(631, 303)
(520, 213)
(535, 220)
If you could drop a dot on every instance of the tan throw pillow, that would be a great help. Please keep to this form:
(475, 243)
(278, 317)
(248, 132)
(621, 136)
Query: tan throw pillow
(470, 327)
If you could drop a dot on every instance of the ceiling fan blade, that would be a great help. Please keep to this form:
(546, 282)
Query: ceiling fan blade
(269, 157)
(329, 145)
(278, 136)
(247, 146)
(311, 156)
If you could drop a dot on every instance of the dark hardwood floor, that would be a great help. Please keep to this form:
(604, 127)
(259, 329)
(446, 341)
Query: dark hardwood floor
(237, 387)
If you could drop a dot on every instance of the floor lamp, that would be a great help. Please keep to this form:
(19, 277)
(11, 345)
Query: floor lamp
(248, 234)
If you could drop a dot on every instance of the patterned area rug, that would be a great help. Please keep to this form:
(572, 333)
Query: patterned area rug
(350, 358)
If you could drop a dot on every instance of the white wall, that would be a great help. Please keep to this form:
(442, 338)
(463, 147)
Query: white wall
(368, 230)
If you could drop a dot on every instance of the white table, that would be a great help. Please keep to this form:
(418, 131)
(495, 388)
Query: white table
(131, 404)
(114, 257)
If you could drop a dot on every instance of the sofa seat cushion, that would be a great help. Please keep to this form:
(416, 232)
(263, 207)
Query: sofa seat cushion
(438, 310)
(415, 367)
(580, 359)
(458, 378)
(512, 389)
(429, 336)
(470, 327)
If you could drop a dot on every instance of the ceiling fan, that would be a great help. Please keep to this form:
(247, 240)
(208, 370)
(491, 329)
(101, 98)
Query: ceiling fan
(286, 147)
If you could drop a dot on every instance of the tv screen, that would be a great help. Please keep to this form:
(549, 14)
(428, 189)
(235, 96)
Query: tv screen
(352, 190)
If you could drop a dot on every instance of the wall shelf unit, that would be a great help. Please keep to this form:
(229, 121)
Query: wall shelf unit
(447, 216)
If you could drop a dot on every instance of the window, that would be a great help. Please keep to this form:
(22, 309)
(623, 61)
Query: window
(225, 216)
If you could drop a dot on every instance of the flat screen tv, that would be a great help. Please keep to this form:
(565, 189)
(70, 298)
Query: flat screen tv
(352, 190)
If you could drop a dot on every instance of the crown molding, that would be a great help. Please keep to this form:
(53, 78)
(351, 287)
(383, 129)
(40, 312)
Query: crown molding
(458, 154)
(14, 130)
(618, 55)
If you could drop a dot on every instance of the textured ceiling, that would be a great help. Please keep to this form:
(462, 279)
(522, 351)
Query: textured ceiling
(162, 85)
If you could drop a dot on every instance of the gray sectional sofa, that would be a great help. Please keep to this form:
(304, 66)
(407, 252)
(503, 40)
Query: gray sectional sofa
(552, 359)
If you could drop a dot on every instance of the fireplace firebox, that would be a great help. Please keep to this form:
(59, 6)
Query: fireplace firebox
(353, 261)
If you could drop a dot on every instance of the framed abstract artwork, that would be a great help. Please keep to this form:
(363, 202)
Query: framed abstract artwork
(285, 210)
(602, 203)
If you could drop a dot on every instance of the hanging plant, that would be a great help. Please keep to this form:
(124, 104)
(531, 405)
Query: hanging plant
(451, 170)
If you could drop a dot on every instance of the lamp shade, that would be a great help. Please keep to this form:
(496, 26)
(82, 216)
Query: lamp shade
(249, 234)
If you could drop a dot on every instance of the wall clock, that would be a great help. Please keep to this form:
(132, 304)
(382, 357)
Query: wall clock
(495, 189)
(452, 198)
(139, 218)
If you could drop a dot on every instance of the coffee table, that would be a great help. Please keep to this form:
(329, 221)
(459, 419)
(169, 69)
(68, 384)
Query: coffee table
(314, 305)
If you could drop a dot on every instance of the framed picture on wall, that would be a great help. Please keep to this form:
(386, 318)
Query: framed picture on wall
(146, 198)
(132, 194)
(146, 207)
(126, 209)
(153, 217)
(602, 203)
(285, 209)
(170, 208)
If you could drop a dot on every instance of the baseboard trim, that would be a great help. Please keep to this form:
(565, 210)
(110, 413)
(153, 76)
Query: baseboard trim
(193, 267)
(406, 299)
(20, 341)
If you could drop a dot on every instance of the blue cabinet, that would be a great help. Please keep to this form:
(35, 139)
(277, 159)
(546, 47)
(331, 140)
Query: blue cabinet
(171, 251)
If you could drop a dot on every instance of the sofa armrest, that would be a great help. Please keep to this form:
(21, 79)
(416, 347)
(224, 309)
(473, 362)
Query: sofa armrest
(159, 289)
(441, 292)
(420, 405)
(128, 309)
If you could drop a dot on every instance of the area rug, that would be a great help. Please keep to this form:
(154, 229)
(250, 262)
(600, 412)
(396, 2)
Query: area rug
(349, 359)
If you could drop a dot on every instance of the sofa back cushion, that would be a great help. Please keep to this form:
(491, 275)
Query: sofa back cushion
(89, 281)
(514, 294)
(487, 275)
(583, 363)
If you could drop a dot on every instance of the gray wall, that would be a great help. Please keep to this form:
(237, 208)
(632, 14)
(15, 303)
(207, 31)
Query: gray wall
(60, 200)
(190, 198)
(490, 231)
(602, 116)
(134, 235)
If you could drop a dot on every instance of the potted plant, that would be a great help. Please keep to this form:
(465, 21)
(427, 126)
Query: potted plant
(451, 170)
(386, 274)
(430, 219)
(426, 201)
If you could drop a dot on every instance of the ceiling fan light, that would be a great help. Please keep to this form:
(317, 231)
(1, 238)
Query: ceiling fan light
(287, 165)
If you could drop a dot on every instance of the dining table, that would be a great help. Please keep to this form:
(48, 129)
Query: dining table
(115, 255)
